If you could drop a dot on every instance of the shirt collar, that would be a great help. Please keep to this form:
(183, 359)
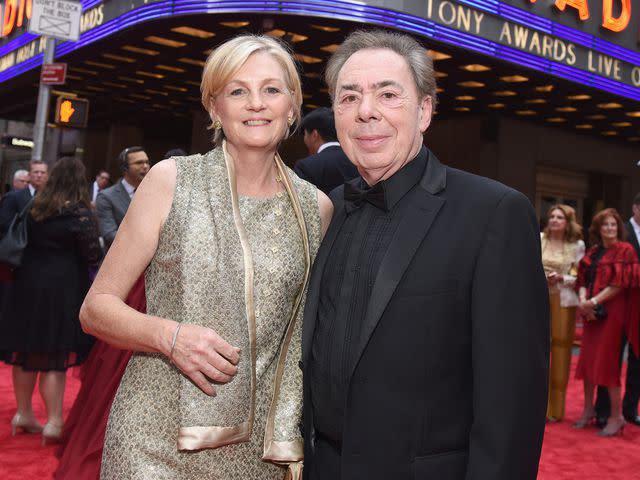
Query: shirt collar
(399, 184)
(32, 189)
(635, 225)
(128, 187)
(327, 145)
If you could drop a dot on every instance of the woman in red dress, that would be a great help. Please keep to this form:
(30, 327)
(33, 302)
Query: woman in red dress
(606, 275)
(81, 453)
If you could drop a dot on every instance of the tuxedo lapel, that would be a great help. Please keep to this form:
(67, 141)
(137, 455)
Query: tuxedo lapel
(313, 294)
(412, 230)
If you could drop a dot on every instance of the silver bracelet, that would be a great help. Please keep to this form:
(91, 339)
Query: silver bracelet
(173, 342)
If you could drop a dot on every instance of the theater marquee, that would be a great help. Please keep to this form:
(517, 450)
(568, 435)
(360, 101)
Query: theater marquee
(591, 42)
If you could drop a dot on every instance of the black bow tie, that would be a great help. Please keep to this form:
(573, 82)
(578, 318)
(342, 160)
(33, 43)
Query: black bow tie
(354, 197)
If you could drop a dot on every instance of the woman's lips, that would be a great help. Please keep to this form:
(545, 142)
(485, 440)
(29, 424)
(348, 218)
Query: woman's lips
(257, 122)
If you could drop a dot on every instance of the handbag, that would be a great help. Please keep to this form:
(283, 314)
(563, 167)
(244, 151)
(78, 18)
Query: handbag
(12, 245)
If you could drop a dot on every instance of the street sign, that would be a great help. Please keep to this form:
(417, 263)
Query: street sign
(53, 73)
(56, 18)
(72, 112)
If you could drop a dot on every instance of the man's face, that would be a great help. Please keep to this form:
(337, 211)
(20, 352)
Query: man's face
(379, 117)
(38, 175)
(20, 182)
(102, 179)
(138, 167)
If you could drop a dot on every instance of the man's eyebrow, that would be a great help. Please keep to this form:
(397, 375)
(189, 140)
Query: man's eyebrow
(351, 86)
(388, 83)
(376, 86)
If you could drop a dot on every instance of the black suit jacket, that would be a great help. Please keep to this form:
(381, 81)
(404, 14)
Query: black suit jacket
(632, 238)
(451, 382)
(12, 203)
(326, 170)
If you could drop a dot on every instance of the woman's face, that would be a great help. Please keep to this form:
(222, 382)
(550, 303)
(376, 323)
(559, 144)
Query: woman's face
(254, 107)
(609, 229)
(557, 221)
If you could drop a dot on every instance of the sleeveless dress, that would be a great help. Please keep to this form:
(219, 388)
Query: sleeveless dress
(142, 433)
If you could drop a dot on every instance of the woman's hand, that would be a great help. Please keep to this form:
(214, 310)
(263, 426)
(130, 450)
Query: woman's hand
(205, 357)
(553, 278)
(587, 308)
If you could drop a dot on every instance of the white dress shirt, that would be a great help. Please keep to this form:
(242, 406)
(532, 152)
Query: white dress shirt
(129, 188)
(327, 145)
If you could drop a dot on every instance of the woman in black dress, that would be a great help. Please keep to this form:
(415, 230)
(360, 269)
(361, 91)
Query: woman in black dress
(40, 331)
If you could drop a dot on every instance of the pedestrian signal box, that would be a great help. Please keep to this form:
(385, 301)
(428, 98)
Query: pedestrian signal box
(72, 112)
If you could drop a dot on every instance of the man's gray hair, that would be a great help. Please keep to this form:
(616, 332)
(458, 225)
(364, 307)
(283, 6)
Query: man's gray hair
(419, 61)
(20, 173)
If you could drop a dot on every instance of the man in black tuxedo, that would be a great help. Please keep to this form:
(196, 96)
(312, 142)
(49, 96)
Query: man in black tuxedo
(426, 328)
(326, 166)
(632, 385)
(15, 201)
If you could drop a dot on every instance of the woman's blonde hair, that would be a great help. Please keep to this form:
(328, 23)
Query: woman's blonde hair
(573, 230)
(229, 57)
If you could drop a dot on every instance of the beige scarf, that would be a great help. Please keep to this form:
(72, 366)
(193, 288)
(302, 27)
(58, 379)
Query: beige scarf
(211, 422)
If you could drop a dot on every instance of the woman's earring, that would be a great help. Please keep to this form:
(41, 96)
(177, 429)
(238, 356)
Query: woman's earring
(217, 125)
(290, 120)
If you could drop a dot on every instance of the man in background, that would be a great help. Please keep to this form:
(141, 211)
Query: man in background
(326, 166)
(101, 182)
(113, 202)
(632, 385)
(20, 179)
(15, 201)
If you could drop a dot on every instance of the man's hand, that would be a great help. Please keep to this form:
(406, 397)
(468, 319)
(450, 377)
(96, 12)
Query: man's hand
(203, 356)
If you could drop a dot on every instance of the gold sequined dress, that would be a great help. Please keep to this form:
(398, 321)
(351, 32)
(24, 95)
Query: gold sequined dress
(199, 275)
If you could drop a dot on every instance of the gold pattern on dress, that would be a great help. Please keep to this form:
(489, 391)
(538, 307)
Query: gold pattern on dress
(191, 277)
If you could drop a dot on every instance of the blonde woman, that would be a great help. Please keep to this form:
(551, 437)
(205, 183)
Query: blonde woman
(562, 249)
(227, 240)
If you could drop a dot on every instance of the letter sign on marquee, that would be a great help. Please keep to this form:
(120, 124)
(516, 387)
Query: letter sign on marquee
(72, 112)
(581, 5)
(616, 24)
(15, 14)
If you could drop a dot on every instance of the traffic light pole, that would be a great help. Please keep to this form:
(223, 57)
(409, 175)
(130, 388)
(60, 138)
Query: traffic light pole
(42, 111)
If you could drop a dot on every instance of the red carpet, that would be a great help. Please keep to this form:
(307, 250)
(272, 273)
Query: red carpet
(23, 457)
(567, 454)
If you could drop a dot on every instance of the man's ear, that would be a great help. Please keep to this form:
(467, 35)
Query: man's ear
(426, 112)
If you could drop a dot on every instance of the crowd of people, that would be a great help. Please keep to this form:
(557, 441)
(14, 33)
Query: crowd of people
(602, 285)
(246, 317)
